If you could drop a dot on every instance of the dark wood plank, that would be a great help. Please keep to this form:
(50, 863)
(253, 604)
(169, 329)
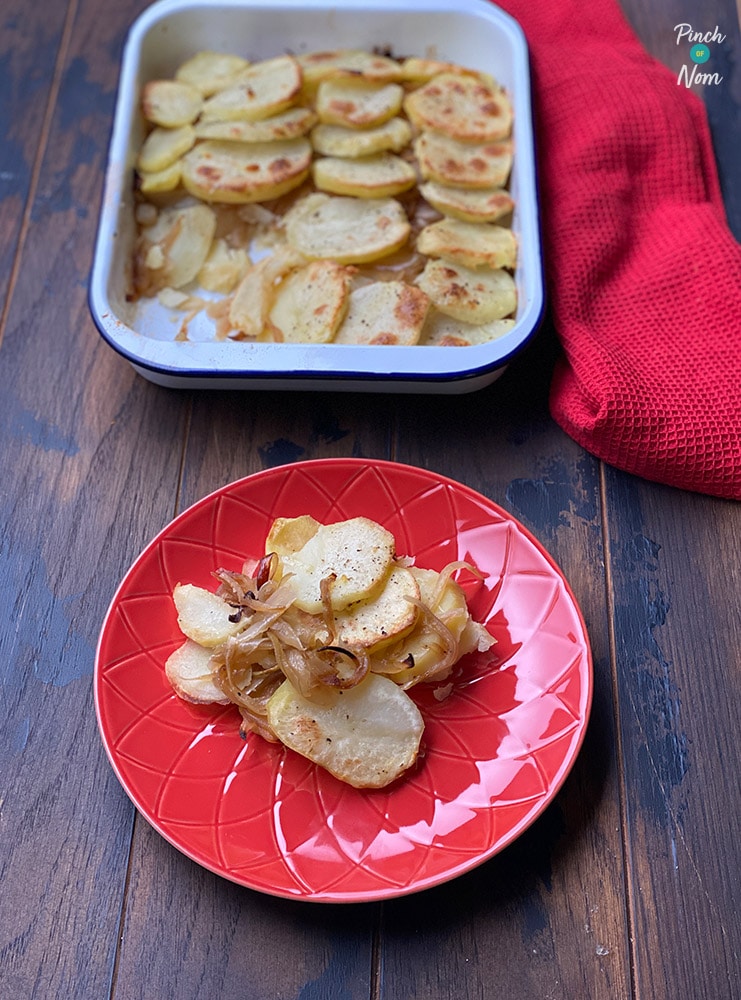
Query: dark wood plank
(90, 470)
(675, 560)
(30, 38)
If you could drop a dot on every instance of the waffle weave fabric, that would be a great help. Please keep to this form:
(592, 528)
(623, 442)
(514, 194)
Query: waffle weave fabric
(643, 274)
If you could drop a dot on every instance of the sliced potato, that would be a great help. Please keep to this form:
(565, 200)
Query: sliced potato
(290, 124)
(188, 669)
(468, 205)
(348, 230)
(444, 331)
(384, 312)
(240, 172)
(289, 534)
(210, 71)
(204, 616)
(381, 175)
(255, 294)
(465, 165)
(366, 736)
(178, 243)
(163, 146)
(311, 303)
(223, 267)
(357, 553)
(161, 180)
(418, 70)
(382, 619)
(262, 90)
(317, 66)
(338, 140)
(170, 103)
(356, 103)
(471, 244)
(465, 108)
(472, 296)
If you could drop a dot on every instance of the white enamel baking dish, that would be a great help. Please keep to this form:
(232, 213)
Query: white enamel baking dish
(475, 34)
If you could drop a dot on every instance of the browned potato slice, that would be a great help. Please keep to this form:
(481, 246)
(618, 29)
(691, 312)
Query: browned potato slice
(444, 331)
(170, 103)
(210, 71)
(464, 107)
(239, 172)
(204, 616)
(384, 312)
(472, 244)
(470, 296)
(338, 140)
(384, 618)
(466, 204)
(418, 70)
(348, 230)
(255, 293)
(188, 669)
(465, 165)
(358, 553)
(263, 90)
(381, 175)
(366, 736)
(289, 534)
(290, 124)
(357, 103)
(163, 146)
(311, 303)
(175, 247)
(354, 63)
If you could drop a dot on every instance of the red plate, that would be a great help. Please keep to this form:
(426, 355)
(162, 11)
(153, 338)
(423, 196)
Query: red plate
(497, 749)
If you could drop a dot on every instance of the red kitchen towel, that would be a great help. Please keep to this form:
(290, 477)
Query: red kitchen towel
(643, 273)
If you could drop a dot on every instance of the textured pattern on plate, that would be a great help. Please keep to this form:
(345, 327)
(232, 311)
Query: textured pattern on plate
(497, 749)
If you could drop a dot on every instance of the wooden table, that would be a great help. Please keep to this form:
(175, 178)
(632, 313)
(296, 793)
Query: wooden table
(627, 886)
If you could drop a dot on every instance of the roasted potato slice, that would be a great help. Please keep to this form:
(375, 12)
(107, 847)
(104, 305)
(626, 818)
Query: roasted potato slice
(381, 175)
(176, 246)
(338, 140)
(317, 66)
(240, 172)
(356, 553)
(471, 244)
(210, 71)
(170, 103)
(465, 165)
(468, 205)
(384, 312)
(290, 124)
(417, 70)
(262, 90)
(163, 146)
(204, 616)
(357, 103)
(188, 669)
(379, 620)
(223, 268)
(444, 331)
(289, 534)
(311, 303)
(348, 230)
(366, 736)
(160, 181)
(255, 294)
(472, 296)
(465, 108)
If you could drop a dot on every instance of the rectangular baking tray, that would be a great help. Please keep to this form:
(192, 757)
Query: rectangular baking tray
(475, 34)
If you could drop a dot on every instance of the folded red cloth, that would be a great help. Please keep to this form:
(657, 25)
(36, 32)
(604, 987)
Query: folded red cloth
(643, 273)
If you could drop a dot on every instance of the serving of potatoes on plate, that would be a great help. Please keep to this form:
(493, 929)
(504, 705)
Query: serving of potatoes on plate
(318, 643)
(295, 188)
